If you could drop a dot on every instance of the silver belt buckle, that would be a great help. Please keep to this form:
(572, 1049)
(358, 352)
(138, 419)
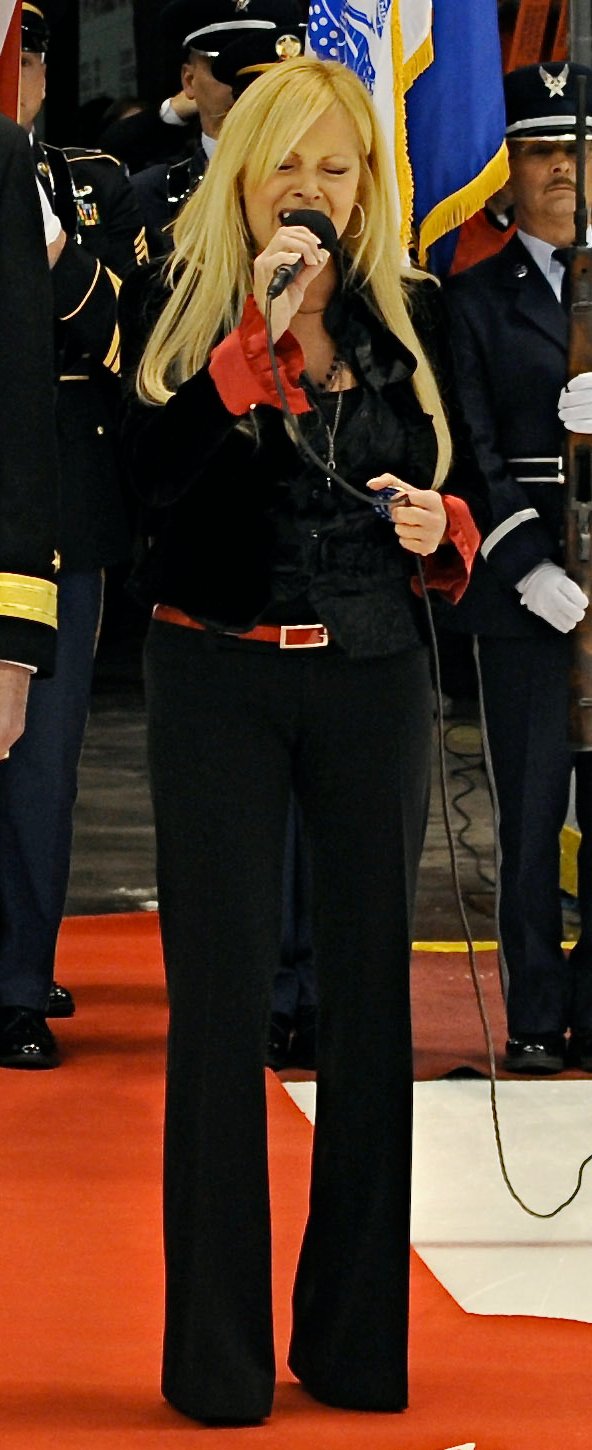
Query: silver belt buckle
(322, 636)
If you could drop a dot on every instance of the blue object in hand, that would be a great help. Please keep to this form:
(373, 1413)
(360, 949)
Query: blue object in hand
(385, 497)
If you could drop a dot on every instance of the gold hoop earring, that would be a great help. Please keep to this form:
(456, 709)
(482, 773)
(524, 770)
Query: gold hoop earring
(358, 204)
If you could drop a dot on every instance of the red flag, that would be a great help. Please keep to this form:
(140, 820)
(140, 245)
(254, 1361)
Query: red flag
(10, 56)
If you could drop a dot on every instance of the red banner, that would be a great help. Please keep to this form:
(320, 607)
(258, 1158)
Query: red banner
(10, 56)
(560, 43)
(529, 33)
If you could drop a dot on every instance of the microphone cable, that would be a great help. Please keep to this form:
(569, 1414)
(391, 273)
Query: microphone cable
(304, 447)
(470, 763)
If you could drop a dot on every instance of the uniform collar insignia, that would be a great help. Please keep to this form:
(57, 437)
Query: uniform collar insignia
(554, 84)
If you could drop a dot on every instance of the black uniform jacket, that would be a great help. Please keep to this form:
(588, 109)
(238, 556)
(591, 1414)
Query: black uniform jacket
(509, 337)
(92, 195)
(215, 485)
(28, 454)
(161, 191)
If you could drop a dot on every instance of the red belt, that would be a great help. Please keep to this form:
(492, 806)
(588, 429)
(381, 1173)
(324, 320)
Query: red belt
(288, 636)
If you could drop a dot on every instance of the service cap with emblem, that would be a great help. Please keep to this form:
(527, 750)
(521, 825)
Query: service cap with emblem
(37, 19)
(256, 52)
(541, 101)
(34, 28)
(210, 25)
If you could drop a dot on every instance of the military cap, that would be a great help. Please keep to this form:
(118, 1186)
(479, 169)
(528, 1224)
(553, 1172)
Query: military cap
(541, 101)
(209, 25)
(34, 27)
(254, 53)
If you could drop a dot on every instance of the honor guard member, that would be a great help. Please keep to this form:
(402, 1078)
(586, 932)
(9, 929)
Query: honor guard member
(28, 454)
(28, 486)
(94, 237)
(510, 334)
(202, 31)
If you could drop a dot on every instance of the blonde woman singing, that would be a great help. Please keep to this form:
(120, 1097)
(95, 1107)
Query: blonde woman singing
(287, 652)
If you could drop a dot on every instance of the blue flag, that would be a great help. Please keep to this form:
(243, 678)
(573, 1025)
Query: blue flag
(434, 70)
(455, 125)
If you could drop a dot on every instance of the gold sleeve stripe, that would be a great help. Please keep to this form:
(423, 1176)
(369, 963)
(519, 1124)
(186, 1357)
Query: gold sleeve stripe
(116, 281)
(96, 156)
(33, 10)
(141, 246)
(111, 359)
(25, 597)
(70, 315)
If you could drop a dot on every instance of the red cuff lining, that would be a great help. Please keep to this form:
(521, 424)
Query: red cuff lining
(451, 578)
(241, 369)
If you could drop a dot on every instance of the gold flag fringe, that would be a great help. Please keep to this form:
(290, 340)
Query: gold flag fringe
(455, 209)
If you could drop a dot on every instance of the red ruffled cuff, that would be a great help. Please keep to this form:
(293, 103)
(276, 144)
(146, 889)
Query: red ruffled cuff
(450, 573)
(241, 370)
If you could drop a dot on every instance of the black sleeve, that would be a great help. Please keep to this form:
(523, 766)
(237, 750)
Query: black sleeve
(169, 446)
(28, 454)
(513, 553)
(465, 478)
(86, 289)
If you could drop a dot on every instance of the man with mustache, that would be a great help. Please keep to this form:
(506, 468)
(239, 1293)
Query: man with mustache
(510, 335)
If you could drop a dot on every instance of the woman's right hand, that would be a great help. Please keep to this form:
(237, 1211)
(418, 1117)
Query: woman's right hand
(285, 247)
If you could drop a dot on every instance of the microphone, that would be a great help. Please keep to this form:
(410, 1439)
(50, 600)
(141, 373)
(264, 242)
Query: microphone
(321, 226)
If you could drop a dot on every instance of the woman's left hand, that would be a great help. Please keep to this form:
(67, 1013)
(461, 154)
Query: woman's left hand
(420, 520)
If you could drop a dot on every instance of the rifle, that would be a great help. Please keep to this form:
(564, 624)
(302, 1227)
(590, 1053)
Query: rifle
(578, 451)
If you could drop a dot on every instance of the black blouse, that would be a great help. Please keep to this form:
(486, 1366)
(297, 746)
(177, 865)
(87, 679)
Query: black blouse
(243, 528)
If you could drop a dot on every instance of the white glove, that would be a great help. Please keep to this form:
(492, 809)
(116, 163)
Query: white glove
(51, 223)
(575, 404)
(547, 591)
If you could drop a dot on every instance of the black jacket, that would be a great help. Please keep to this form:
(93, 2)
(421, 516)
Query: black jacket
(28, 454)
(220, 495)
(161, 191)
(93, 198)
(509, 337)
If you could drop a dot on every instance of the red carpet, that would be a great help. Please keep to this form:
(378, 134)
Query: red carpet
(80, 1309)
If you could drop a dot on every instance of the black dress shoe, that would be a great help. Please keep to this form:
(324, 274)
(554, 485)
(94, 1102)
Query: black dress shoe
(60, 1002)
(579, 1051)
(536, 1052)
(25, 1040)
(303, 1047)
(281, 1028)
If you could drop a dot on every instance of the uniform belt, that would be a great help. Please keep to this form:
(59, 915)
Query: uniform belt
(287, 636)
(537, 470)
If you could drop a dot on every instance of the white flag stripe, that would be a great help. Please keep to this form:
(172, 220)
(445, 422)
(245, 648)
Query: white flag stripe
(6, 14)
(388, 43)
(416, 29)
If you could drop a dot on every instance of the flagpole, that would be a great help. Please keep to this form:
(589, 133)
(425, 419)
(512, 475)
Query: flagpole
(580, 31)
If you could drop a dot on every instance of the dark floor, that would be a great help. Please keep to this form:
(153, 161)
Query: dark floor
(113, 860)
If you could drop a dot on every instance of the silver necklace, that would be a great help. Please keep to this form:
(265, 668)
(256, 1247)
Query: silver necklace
(331, 432)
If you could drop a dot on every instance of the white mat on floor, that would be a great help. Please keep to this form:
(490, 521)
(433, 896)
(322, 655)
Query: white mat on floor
(491, 1256)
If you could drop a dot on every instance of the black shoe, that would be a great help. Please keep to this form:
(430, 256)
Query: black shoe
(25, 1041)
(281, 1028)
(579, 1051)
(303, 1048)
(536, 1052)
(60, 1002)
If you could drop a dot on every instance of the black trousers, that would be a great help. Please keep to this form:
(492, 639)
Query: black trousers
(294, 984)
(38, 787)
(525, 706)
(233, 727)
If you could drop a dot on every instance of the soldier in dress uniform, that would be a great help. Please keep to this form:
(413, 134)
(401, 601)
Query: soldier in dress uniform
(510, 333)
(94, 236)
(202, 30)
(28, 454)
(28, 464)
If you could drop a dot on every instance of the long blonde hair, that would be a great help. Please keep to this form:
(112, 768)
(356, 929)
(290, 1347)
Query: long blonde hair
(210, 271)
